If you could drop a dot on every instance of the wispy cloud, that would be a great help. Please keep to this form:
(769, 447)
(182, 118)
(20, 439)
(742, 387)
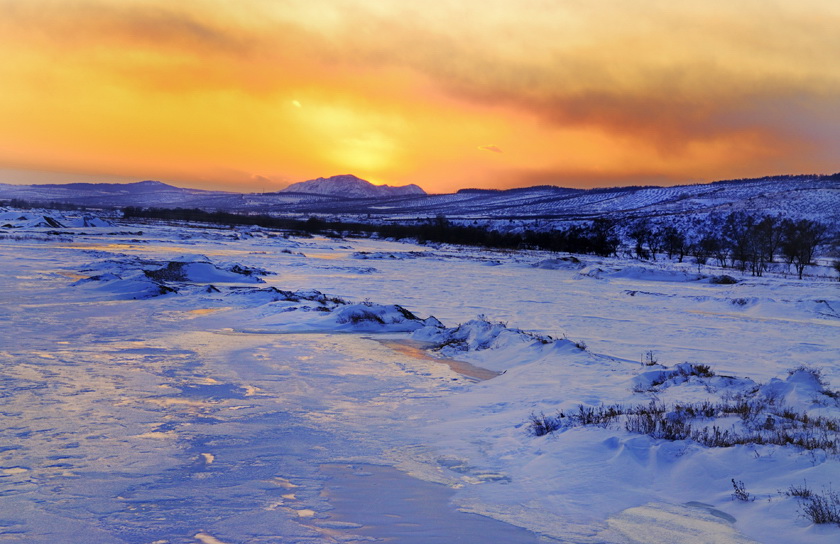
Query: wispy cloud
(493, 148)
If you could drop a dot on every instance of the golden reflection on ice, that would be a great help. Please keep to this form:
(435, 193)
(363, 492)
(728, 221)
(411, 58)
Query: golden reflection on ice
(204, 538)
(328, 256)
(160, 435)
(75, 276)
(656, 523)
(206, 311)
(417, 350)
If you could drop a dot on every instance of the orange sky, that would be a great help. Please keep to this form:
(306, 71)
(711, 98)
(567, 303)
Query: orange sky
(252, 95)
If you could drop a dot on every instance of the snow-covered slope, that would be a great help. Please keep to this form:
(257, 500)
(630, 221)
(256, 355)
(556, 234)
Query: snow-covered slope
(812, 197)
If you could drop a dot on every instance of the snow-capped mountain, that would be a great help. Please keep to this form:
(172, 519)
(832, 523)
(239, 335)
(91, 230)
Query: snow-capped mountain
(350, 186)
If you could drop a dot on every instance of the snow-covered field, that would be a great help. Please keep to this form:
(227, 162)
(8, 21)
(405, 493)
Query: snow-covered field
(166, 384)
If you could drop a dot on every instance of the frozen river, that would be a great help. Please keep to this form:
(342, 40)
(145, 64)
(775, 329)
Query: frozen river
(205, 417)
(127, 422)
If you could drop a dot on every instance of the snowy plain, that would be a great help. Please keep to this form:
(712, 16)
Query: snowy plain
(176, 384)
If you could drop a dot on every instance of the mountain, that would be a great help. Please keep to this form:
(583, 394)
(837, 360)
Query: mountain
(350, 186)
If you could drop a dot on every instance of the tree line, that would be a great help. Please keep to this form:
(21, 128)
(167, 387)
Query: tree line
(738, 240)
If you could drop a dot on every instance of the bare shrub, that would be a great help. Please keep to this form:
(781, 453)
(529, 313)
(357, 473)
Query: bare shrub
(740, 493)
(762, 424)
(799, 491)
(541, 425)
(361, 316)
(822, 508)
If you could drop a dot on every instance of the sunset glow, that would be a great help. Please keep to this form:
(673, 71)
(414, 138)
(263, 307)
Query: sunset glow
(256, 94)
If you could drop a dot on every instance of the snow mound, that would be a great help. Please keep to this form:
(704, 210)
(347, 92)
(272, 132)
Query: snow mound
(133, 278)
(475, 335)
(381, 255)
(191, 258)
(88, 221)
(193, 270)
(508, 347)
(367, 316)
(41, 220)
(112, 286)
(637, 272)
(654, 274)
(259, 296)
(562, 263)
(802, 387)
(685, 373)
(266, 295)
(312, 311)
(591, 272)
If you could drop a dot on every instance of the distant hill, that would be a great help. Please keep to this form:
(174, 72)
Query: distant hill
(350, 186)
(147, 186)
(142, 193)
(800, 196)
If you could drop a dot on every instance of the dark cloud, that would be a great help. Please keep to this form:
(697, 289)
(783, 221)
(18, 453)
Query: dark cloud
(726, 78)
(97, 23)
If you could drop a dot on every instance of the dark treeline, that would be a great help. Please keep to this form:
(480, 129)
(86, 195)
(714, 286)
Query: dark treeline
(739, 240)
(599, 238)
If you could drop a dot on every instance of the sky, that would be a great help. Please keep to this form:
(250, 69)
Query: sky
(252, 95)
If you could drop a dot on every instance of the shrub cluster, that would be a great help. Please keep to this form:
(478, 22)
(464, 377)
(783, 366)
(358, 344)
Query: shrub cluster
(681, 373)
(762, 423)
(740, 492)
(819, 508)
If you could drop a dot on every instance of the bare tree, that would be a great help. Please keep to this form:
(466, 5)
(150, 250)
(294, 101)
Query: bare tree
(800, 240)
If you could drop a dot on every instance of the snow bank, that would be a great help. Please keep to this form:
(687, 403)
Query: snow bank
(377, 317)
(803, 387)
(397, 255)
(637, 272)
(88, 221)
(201, 272)
(489, 345)
(315, 312)
(112, 286)
(562, 263)
(662, 378)
(133, 278)
(52, 220)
